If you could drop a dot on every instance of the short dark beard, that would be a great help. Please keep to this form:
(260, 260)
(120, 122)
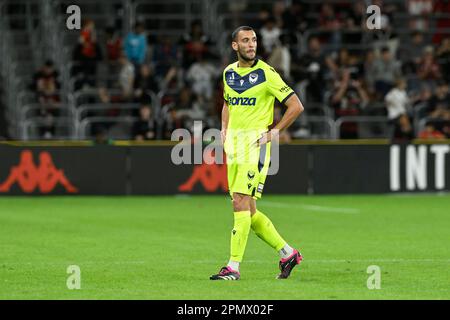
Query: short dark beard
(244, 57)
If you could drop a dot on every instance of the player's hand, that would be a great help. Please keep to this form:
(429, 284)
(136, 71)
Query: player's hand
(267, 137)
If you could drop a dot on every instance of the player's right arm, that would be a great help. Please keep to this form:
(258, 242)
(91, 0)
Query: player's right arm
(225, 111)
(225, 116)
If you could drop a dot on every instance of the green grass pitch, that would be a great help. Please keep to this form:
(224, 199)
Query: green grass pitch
(167, 247)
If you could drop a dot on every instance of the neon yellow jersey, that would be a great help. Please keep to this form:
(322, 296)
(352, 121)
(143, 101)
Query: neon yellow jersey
(250, 94)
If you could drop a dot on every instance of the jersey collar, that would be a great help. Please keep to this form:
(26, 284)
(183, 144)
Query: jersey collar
(254, 63)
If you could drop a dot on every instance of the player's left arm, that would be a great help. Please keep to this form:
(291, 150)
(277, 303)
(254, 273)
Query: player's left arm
(287, 96)
(294, 109)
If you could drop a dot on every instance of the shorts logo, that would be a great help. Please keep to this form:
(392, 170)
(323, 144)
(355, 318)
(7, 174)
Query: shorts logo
(260, 187)
(251, 174)
(242, 82)
(253, 78)
(249, 186)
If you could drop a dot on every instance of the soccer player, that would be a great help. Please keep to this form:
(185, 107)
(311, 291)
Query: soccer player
(250, 89)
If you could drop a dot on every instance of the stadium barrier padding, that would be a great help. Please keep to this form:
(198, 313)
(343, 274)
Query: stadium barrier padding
(148, 170)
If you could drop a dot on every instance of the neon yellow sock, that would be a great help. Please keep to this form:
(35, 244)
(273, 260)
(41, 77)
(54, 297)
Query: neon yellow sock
(239, 234)
(265, 230)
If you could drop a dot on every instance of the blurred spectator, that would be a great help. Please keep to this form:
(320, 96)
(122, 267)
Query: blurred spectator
(46, 87)
(166, 57)
(87, 53)
(352, 34)
(126, 77)
(280, 57)
(439, 104)
(428, 70)
(145, 127)
(430, 132)
(312, 67)
(330, 23)
(270, 34)
(396, 103)
(263, 15)
(135, 45)
(328, 19)
(170, 121)
(338, 60)
(47, 73)
(348, 98)
(195, 44)
(113, 48)
(145, 82)
(191, 110)
(358, 13)
(441, 8)
(201, 76)
(101, 136)
(294, 18)
(420, 11)
(411, 52)
(113, 44)
(386, 70)
(88, 39)
(369, 71)
(443, 58)
(277, 12)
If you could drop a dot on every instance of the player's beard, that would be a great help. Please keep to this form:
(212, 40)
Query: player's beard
(242, 55)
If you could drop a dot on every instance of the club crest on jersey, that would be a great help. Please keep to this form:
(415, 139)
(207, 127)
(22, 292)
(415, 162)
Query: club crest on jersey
(253, 78)
(242, 81)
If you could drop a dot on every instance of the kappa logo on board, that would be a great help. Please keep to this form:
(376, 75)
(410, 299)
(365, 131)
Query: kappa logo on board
(30, 176)
(211, 176)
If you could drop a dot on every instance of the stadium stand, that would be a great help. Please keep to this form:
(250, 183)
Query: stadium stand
(168, 55)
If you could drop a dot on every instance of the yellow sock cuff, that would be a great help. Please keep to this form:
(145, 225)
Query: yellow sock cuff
(239, 215)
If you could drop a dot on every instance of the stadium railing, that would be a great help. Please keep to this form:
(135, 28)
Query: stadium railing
(65, 129)
(82, 113)
(317, 127)
(174, 17)
(363, 130)
(123, 132)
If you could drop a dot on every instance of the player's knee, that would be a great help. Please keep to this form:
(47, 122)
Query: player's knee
(241, 203)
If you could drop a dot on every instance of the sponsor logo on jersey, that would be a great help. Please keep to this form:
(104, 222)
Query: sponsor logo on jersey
(241, 101)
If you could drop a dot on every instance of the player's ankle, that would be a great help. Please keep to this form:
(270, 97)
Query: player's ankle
(233, 265)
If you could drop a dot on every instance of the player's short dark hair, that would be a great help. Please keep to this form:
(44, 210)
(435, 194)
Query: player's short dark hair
(238, 29)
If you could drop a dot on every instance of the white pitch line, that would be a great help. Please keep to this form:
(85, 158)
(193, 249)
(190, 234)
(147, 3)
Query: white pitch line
(344, 261)
(110, 262)
(309, 207)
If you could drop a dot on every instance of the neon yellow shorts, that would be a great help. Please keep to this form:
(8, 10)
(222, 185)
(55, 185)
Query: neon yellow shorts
(248, 177)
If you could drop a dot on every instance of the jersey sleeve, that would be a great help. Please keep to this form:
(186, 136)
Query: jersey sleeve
(224, 86)
(277, 87)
